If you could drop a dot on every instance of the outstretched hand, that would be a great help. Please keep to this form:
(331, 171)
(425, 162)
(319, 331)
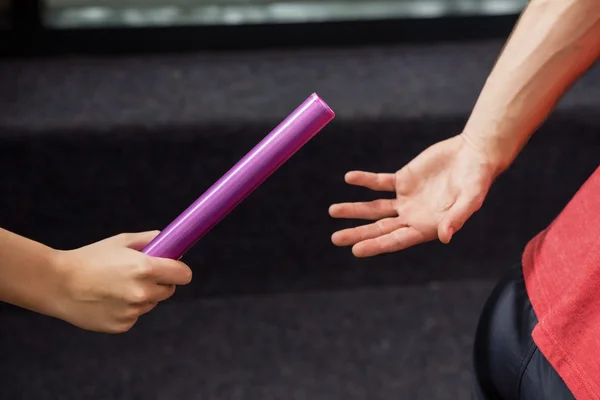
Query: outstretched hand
(436, 193)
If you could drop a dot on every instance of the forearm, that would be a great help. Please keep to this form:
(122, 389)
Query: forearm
(554, 43)
(28, 275)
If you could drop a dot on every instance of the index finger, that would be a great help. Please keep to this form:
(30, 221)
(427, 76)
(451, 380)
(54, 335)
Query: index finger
(370, 180)
(170, 272)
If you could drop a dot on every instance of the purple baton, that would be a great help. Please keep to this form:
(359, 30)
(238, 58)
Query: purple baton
(252, 170)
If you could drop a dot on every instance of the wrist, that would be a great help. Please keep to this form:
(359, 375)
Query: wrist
(47, 293)
(498, 156)
(58, 289)
(32, 282)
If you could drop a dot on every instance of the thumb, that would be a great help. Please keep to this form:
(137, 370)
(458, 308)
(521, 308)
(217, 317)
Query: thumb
(135, 241)
(457, 216)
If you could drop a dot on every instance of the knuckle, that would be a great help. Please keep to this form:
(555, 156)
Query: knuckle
(123, 237)
(170, 289)
(131, 313)
(380, 225)
(112, 330)
(402, 180)
(143, 269)
(126, 327)
(167, 293)
(379, 204)
(477, 202)
(138, 295)
(118, 328)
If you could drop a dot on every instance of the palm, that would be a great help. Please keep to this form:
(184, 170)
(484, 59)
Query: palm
(435, 194)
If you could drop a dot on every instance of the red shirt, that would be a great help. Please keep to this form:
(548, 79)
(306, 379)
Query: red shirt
(562, 274)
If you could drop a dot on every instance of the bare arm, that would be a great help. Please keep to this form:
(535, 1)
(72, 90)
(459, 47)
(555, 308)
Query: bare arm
(104, 286)
(553, 44)
(29, 277)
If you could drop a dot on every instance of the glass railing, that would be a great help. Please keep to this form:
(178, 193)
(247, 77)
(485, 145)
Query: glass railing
(144, 13)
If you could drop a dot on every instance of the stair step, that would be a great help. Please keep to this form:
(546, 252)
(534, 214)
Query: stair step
(91, 147)
(67, 190)
(411, 342)
(100, 94)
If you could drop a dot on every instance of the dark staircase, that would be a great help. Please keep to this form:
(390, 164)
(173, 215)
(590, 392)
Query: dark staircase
(93, 146)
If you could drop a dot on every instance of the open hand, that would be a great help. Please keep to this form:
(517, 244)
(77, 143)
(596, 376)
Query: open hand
(435, 195)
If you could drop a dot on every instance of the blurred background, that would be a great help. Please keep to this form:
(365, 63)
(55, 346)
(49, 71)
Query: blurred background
(116, 115)
(84, 13)
(107, 13)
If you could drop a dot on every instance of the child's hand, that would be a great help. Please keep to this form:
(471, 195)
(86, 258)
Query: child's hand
(435, 195)
(109, 284)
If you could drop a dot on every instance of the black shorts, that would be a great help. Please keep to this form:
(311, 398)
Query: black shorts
(508, 365)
